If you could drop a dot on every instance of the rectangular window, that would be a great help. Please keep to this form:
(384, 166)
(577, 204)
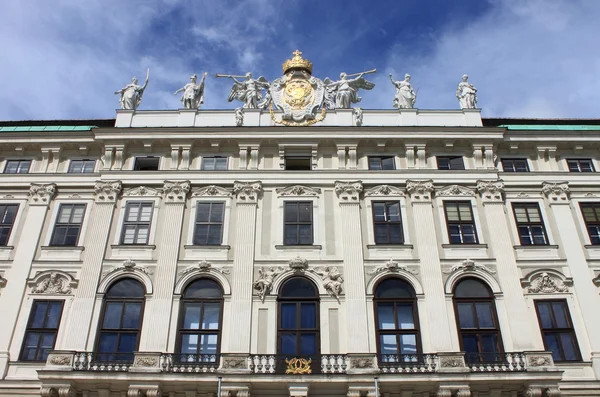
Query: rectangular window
(580, 165)
(8, 213)
(216, 163)
(136, 226)
(17, 167)
(149, 163)
(209, 223)
(515, 165)
(387, 222)
(382, 163)
(81, 166)
(42, 328)
(450, 163)
(530, 224)
(460, 222)
(298, 163)
(591, 216)
(298, 223)
(557, 330)
(68, 225)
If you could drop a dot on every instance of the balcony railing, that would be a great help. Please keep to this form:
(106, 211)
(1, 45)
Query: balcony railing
(407, 363)
(110, 362)
(189, 363)
(495, 362)
(298, 365)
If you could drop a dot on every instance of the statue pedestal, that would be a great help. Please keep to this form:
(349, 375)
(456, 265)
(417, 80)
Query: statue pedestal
(187, 117)
(124, 118)
(408, 116)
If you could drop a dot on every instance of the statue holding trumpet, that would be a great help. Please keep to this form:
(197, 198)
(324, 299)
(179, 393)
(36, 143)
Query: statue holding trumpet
(248, 91)
(344, 92)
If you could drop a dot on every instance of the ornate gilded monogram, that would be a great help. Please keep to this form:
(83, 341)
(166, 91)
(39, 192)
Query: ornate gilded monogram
(298, 366)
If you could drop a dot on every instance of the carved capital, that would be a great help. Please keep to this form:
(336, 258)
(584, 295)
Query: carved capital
(552, 392)
(348, 192)
(420, 191)
(176, 192)
(490, 190)
(247, 192)
(444, 393)
(48, 391)
(107, 192)
(41, 194)
(533, 392)
(157, 392)
(463, 393)
(66, 391)
(556, 192)
(134, 392)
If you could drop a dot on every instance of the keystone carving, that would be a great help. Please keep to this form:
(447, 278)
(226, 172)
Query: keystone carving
(130, 266)
(420, 190)
(348, 192)
(546, 284)
(298, 264)
(42, 193)
(247, 192)
(469, 266)
(202, 267)
(556, 192)
(455, 190)
(490, 190)
(176, 192)
(392, 267)
(107, 192)
(384, 190)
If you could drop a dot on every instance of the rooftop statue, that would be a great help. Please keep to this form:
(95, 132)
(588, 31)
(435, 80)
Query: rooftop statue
(405, 96)
(193, 94)
(344, 92)
(466, 94)
(249, 91)
(131, 94)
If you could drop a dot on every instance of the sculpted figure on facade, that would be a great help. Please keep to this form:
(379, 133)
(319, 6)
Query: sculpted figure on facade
(357, 116)
(131, 94)
(193, 93)
(264, 282)
(345, 90)
(405, 97)
(466, 94)
(248, 91)
(239, 117)
(546, 284)
(332, 280)
(54, 284)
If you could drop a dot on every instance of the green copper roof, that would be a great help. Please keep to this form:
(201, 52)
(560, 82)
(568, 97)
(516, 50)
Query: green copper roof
(552, 127)
(48, 128)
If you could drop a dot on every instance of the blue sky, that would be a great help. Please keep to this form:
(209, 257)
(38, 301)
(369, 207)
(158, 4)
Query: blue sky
(528, 58)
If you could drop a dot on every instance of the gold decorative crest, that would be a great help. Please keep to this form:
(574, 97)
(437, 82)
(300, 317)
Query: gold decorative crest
(298, 366)
(297, 62)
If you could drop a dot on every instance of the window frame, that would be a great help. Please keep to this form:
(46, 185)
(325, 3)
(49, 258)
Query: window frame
(208, 223)
(387, 222)
(450, 158)
(381, 160)
(298, 223)
(204, 158)
(12, 225)
(460, 222)
(42, 330)
(71, 164)
(124, 222)
(570, 330)
(19, 161)
(68, 225)
(529, 224)
(579, 160)
(513, 159)
(590, 204)
(136, 158)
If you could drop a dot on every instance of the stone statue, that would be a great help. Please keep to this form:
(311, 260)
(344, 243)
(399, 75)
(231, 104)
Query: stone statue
(466, 94)
(405, 96)
(264, 282)
(344, 92)
(249, 91)
(193, 94)
(131, 94)
(54, 284)
(239, 117)
(332, 280)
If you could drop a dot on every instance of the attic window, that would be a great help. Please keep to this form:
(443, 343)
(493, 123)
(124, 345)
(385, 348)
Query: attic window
(146, 163)
(298, 163)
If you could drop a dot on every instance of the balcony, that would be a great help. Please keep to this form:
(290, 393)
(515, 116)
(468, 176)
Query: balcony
(301, 365)
(496, 362)
(407, 363)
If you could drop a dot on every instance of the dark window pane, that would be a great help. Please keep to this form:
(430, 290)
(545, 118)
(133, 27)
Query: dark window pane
(484, 315)
(470, 344)
(146, 163)
(375, 163)
(408, 344)
(308, 315)
(385, 314)
(126, 288)
(39, 315)
(394, 288)
(203, 212)
(545, 314)
(568, 346)
(388, 163)
(288, 316)
(210, 320)
(191, 315)
(208, 343)
(298, 287)
(54, 312)
(388, 344)
(131, 317)
(405, 316)
(203, 288)
(489, 343)
(552, 344)
(291, 234)
(288, 343)
(189, 344)
(112, 315)
(32, 340)
(465, 315)
(379, 212)
(108, 342)
(127, 343)
(308, 344)
(560, 315)
(470, 288)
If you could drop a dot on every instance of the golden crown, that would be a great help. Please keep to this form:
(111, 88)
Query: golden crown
(297, 62)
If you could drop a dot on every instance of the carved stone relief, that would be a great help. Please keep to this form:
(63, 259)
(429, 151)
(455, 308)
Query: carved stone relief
(130, 266)
(392, 267)
(52, 283)
(42, 193)
(176, 192)
(455, 190)
(556, 192)
(202, 267)
(142, 191)
(420, 190)
(212, 190)
(468, 265)
(298, 190)
(490, 190)
(107, 191)
(348, 191)
(384, 190)
(247, 192)
(544, 283)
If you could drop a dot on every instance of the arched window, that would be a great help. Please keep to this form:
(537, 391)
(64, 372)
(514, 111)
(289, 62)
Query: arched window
(199, 336)
(477, 320)
(298, 325)
(397, 321)
(121, 321)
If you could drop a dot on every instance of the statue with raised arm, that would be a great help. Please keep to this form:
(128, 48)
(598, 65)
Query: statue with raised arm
(466, 94)
(193, 94)
(405, 97)
(345, 90)
(131, 94)
(248, 91)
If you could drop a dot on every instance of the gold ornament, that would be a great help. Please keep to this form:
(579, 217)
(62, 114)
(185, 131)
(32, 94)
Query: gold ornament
(298, 366)
(297, 62)
(305, 123)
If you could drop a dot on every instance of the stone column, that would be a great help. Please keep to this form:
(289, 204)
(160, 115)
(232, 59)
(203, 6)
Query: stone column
(520, 322)
(354, 268)
(14, 292)
(431, 270)
(243, 264)
(167, 244)
(77, 331)
(586, 291)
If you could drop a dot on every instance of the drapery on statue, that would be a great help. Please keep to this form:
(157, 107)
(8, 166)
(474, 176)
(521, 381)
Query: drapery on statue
(131, 94)
(345, 91)
(249, 90)
(466, 94)
(193, 94)
(405, 97)
(264, 282)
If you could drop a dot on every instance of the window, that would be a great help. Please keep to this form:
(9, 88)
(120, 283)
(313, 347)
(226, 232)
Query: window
(530, 224)
(298, 228)
(200, 325)
(515, 165)
(557, 330)
(298, 323)
(298, 163)
(121, 321)
(591, 216)
(42, 328)
(136, 226)
(214, 163)
(17, 166)
(68, 225)
(396, 319)
(450, 163)
(477, 322)
(209, 223)
(149, 163)
(580, 165)
(459, 219)
(387, 222)
(382, 163)
(8, 213)
(81, 166)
